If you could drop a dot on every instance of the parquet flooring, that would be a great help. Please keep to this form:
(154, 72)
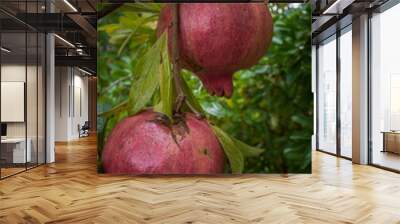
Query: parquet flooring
(10, 171)
(70, 191)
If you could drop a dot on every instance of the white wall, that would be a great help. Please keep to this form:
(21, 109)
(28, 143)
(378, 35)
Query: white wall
(13, 73)
(71, 102)
(33, 127)
(80, 110)
(10, 73)
(62, 81)
(50, 95)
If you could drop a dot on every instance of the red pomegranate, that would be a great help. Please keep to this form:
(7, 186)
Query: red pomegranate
(217, 39)
(145, 144)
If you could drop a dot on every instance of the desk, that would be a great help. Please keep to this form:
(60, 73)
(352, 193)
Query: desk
(391, 141)
(13, 150)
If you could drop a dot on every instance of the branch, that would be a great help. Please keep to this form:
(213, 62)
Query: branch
(176, 69)
(181, 97)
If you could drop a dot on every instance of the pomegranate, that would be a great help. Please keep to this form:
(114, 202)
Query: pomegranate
(147, 144)
(217, 39)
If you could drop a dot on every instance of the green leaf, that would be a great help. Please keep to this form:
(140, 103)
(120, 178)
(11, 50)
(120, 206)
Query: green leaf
(301, 119)
(115, 110)
(102, 123)
(234, 154)
(247, 150)
(126, 41)
(167, 88)
(190, 99)
(138, 23)
(143, 8)
(147, 69)
(109, 28)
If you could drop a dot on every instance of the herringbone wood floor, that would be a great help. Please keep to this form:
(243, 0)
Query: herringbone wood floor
(70, 191)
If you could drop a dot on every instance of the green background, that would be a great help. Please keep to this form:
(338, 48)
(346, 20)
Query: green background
(272, 104)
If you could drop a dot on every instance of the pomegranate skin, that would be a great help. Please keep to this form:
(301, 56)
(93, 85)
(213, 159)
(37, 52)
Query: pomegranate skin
(217, 39)
(141, 144)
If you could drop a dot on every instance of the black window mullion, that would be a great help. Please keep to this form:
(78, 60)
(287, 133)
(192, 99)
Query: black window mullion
(26, 86)
(37, 90)
(45, 92)
(317, 96)
(369, 95)
(73, 91)
(338, 91)
(0, 94)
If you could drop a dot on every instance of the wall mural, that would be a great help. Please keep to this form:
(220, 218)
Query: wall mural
(204, 89)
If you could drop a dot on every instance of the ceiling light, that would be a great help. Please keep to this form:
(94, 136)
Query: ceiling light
(333, 6)
(65, 41)
(80, 51)
(5, 50)
(338, 6)
(70, 5)
(84, 71)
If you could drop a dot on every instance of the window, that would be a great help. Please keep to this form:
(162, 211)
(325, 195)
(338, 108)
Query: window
(327, 95)
(346, 93)
(385, 88)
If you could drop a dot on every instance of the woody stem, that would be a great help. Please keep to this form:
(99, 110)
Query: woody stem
(175, 58)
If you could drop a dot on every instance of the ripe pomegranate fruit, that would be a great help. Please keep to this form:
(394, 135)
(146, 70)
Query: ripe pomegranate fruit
(217, 39)
(146, 144)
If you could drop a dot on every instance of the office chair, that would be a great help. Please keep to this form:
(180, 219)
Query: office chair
(84, 130)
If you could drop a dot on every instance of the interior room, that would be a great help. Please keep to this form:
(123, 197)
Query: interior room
(385, 89)
(48, 84)
(71, 103)
(336, 80)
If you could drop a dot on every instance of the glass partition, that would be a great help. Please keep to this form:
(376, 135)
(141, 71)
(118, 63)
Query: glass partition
(327, 95)
(22, 101)
(13, 94)
(346, 92)
(385, 89)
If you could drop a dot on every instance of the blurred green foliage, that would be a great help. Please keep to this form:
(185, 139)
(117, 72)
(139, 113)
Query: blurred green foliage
(272, 104)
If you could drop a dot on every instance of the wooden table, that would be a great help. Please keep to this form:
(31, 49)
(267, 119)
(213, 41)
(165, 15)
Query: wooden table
(391, 141)
(13, 150)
